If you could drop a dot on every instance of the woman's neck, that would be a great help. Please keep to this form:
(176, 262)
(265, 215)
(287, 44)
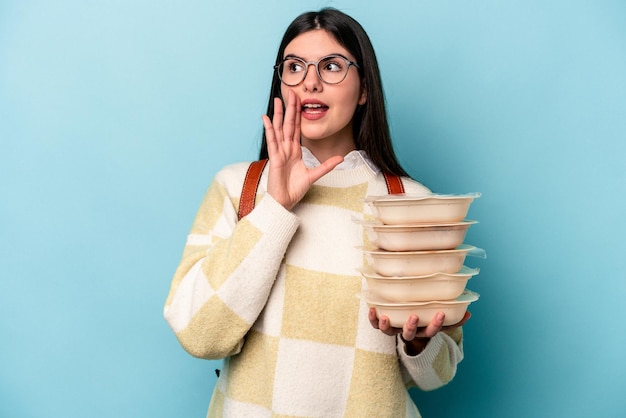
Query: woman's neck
(325, 148)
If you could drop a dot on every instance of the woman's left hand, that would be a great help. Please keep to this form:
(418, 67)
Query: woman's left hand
(415, 337)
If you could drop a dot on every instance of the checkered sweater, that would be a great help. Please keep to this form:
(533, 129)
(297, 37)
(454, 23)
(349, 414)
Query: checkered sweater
(275, 295)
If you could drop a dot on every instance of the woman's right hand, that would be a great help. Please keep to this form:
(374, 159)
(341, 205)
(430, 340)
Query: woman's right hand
(289, 179)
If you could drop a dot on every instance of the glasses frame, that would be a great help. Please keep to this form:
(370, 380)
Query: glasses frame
(307, 64)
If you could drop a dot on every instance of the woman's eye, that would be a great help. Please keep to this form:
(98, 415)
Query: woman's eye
(295, 67)
(333, 66)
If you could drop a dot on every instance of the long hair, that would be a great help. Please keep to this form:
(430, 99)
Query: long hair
(370, 126)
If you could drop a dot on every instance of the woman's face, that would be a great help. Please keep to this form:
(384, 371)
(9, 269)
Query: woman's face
(327, 109)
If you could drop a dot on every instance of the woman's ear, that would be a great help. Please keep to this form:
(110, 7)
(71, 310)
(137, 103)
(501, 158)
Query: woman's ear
(363, 97)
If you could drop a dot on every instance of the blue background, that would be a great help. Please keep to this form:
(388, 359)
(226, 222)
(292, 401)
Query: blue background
(115, 115)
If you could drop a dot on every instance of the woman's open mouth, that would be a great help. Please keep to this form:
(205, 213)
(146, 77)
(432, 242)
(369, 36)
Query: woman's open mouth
(313, 110)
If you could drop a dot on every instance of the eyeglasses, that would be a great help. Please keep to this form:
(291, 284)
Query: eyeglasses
(332, 69)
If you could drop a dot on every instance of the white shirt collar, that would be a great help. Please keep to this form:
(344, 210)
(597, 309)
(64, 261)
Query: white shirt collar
(352, 160)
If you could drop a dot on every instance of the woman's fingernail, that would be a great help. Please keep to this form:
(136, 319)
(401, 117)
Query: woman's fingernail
(413, 321)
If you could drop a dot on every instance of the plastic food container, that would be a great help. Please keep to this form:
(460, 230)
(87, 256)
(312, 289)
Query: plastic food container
(436, 286)
(419, 263)
(398, 313)
(417, 237)
(403, 209)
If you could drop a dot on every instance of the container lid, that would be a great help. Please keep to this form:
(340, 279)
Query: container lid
(405, 197)
(463, 273)
(463, 248)
(467, 296)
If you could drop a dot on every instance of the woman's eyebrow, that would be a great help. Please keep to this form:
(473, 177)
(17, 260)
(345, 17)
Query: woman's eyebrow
(332, 54)
(293, 56)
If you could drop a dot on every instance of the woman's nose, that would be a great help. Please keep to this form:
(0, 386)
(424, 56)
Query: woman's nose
(312, 81)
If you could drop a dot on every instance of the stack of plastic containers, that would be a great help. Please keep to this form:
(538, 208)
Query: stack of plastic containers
(415, 260)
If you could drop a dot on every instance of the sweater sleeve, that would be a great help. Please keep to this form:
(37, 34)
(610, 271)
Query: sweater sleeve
(436, 365)
(227, 268)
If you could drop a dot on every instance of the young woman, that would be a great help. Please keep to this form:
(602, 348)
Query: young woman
(275, 292)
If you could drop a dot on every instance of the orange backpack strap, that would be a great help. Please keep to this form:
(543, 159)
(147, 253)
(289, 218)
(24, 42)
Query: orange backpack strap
(250, 186)
(394, 184)
(253, 177)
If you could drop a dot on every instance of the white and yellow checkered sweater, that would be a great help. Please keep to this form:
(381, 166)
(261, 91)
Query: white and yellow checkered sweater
(275, 294)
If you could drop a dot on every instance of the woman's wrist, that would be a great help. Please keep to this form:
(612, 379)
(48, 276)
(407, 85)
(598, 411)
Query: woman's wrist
(415, 346)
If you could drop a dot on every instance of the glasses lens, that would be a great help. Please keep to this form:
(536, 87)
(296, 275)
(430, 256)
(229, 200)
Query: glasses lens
(333, 69)
(291, 71)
